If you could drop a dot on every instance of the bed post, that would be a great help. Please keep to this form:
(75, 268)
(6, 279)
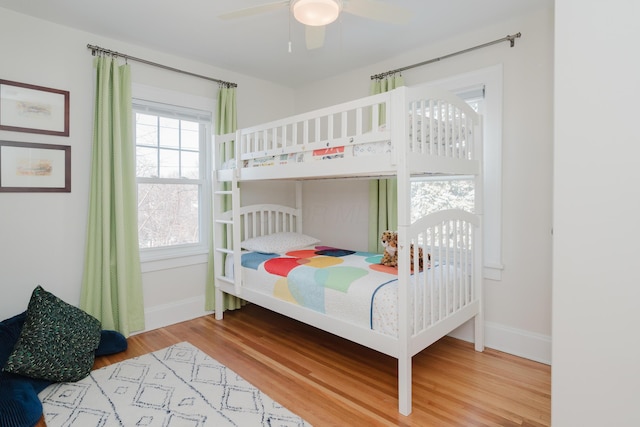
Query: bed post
(298, 224)
(399, 133)
(479, 330)
(237, 229)
(219, 307)
(404, 383)
(479, 237)
(478, 326)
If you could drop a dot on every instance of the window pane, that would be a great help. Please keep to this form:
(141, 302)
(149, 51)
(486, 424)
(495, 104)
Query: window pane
(167, 215)
(430, 196)
(169, 132)
(190, 135)
(146, 134)
(169, 164)
(190, 165)
(146, 162)
(146, 119)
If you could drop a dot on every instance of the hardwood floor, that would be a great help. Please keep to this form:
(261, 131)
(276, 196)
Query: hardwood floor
(333, 382)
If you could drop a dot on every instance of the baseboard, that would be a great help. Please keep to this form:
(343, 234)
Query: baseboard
(175, 312)
(514, 341)
(530, 345)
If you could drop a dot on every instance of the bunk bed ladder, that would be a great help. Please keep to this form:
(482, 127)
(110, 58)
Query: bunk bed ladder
(226, 234)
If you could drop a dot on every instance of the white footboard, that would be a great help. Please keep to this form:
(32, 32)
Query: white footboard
(450, 280)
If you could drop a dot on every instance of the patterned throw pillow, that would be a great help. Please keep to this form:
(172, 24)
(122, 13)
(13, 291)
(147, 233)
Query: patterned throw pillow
(57, 341)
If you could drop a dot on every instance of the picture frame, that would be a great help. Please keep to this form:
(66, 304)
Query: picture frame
(30, 167)
(34, 109)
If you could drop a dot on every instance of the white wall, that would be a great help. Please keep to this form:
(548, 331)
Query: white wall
(596, 345)
(518, 307)
(42, 235)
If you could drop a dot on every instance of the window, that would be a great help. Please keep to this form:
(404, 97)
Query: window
(171, 171)
(482, 90)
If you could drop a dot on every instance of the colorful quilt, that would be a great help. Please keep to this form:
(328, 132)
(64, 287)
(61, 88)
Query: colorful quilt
(337, 282)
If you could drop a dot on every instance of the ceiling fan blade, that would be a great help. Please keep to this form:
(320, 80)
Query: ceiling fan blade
(314, 36)
(254, 10)
(377, 10)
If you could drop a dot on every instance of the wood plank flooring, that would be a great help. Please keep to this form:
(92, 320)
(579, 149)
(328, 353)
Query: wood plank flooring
(333, 382)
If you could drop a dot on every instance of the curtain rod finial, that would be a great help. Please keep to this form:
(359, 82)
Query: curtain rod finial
(512, 39)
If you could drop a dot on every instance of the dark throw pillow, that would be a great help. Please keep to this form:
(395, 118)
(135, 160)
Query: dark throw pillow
(19, 403)
(9, 333)
(111, 342)
(57, 341)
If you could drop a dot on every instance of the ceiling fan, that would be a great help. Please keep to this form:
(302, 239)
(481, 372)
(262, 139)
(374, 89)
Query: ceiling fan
(316, 14)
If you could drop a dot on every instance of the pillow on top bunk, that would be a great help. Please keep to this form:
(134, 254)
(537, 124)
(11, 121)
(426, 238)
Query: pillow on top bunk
(279, 242)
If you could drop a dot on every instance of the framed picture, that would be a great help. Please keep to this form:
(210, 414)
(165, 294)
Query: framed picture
(33, 109)
(26, 167)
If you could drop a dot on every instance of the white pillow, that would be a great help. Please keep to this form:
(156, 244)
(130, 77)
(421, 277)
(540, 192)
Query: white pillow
(279, 242)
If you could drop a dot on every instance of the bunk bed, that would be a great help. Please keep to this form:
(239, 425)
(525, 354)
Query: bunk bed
(405, 133)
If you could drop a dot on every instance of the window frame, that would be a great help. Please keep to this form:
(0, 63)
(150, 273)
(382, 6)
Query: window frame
(182, 106)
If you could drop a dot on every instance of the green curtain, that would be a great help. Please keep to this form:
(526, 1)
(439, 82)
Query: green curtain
(226, 119)
(383, 195)
(112, 279)
(226, 122)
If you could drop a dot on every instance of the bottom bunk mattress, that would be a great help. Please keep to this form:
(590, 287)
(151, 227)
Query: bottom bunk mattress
(349, 285)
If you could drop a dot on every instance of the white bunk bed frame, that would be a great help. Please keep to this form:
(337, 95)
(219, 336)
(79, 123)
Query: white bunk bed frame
(452, 145)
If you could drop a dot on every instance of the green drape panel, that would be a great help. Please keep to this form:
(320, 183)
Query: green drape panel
(385, 85)
(383, 210)
(383, 196)
(226, 119)
(226, 122)
(112, 279)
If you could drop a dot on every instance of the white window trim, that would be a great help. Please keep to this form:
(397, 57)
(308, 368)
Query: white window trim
(155, 259)
(491, 79)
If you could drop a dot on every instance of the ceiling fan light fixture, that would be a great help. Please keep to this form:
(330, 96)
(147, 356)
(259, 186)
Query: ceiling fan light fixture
(316, 12)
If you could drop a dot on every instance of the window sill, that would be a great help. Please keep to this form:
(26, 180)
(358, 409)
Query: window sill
(149, 264)
(493, 272)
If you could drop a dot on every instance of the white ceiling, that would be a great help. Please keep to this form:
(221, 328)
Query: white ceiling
(258, 45)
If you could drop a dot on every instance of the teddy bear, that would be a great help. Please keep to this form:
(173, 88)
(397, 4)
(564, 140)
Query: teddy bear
(389, 241)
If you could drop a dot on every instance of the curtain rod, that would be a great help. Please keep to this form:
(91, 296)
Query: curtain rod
(510, 38)
(98, 49)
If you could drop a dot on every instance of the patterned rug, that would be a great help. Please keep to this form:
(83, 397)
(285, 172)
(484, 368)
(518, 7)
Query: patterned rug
(178, 386)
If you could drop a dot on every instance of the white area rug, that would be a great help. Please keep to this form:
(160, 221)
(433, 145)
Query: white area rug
(179, 386)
